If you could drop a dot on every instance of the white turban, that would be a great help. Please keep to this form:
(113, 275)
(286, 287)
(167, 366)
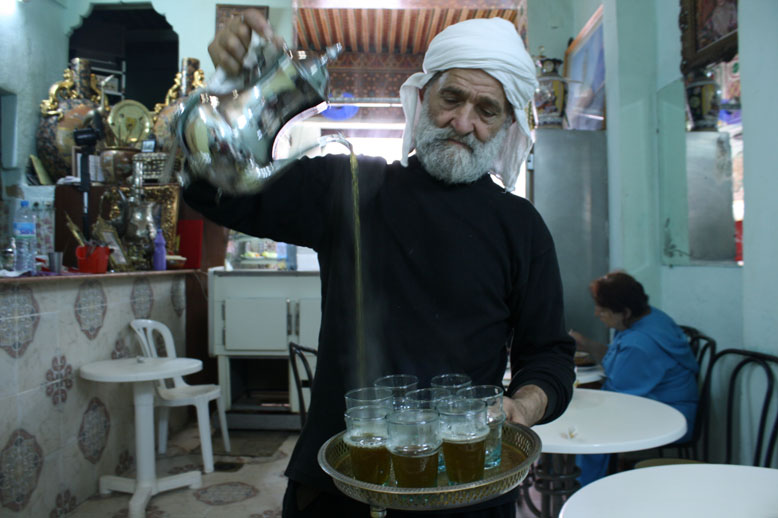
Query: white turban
(491, 45)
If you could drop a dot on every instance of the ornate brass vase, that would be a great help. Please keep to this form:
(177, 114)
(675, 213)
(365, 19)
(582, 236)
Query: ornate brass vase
(67, 108)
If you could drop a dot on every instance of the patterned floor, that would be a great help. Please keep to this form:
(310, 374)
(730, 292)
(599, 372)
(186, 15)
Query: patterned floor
(240, 487)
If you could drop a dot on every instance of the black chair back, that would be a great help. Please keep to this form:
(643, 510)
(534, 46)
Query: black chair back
(703, 346)
(297, 353)
(733, 370)
(704, 349)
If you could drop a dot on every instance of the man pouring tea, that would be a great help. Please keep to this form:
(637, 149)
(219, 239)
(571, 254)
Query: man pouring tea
(457, 275)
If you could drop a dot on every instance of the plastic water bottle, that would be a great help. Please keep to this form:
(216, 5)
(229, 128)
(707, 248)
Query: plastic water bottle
(24, 235)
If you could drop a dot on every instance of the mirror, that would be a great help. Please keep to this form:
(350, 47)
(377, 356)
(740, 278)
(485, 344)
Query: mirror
(701, 140)
(133, 43)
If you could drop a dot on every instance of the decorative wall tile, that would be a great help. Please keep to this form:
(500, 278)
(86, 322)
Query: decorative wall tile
(21, 461)
(40, 418)
(81, 429)
(93, 434)
(125, 345)
(18, 319)
(59, 380)
(79, 475)
(9, 375)
(142, 298)
(126, 463)
(90, 307)
(178, 295)
(226, 493)
(33, 364)
(9, 417)
(66, 503)
(44, 497)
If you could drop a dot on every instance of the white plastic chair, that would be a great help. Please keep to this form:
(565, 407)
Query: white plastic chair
(181, 393)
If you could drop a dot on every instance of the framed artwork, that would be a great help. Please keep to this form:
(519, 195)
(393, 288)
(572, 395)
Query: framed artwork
(585, 71)
(708, 32)
(105, 232)
(226, 11)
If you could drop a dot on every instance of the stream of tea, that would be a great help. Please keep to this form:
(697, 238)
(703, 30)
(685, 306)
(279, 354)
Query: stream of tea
(358, 286)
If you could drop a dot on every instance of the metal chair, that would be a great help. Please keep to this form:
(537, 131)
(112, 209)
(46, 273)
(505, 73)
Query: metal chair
(297, 353)
(701, 344)
(704, 349)
(742, 370)
(176, 392)
(734, 371)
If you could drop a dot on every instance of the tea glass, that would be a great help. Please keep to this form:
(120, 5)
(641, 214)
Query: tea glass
(451, 382)
(495, 417)
(428, 398)
(414, 443)
(464, 430)
(369, 396)
(366, 437)
(400, 384)
(425, 398)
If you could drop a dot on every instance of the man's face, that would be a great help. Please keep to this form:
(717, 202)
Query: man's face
(462, 126)
(469, 101)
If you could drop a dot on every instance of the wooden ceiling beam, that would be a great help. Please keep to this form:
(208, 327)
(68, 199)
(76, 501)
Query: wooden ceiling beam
(365, 30)
(407, 4)
(391, 37)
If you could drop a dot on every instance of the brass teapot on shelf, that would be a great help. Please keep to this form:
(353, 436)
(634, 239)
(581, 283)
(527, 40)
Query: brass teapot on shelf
(229, 138)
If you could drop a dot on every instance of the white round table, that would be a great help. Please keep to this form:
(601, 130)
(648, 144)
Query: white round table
(142, 373)
(601, 421)
(597, 421)
(681, 490)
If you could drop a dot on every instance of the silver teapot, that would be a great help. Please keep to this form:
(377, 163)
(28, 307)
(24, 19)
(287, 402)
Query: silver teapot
(230, 139)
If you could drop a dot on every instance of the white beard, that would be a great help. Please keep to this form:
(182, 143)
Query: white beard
(452, 163)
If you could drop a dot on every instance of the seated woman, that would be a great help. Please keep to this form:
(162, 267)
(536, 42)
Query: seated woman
(649, 355)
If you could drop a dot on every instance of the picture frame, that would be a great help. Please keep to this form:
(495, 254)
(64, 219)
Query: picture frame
(585, 71)
(226, 11)
(105, 232)
(708, 32)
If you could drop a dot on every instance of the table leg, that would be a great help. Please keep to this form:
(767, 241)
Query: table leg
(555, 480)
(146, 483)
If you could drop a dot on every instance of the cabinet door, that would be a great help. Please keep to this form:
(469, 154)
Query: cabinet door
(256, 324)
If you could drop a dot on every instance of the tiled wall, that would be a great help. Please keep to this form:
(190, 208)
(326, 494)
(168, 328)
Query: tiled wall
(59, 432)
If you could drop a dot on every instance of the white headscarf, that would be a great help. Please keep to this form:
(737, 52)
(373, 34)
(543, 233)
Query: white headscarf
(491, 45)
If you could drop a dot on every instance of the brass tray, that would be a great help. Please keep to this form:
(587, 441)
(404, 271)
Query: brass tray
(520, 448)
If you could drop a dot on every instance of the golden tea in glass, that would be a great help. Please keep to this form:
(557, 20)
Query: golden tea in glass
(415, 466)
(370, 460)
(463, 429)
(465, 459)
(366, 438)
(414, 442)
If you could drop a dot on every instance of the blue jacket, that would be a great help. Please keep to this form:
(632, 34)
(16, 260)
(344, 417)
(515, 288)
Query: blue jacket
(652, 358)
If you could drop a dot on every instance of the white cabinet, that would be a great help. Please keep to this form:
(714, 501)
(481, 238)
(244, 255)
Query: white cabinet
(253, 315)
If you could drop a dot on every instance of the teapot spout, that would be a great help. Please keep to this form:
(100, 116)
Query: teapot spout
(253, 177)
